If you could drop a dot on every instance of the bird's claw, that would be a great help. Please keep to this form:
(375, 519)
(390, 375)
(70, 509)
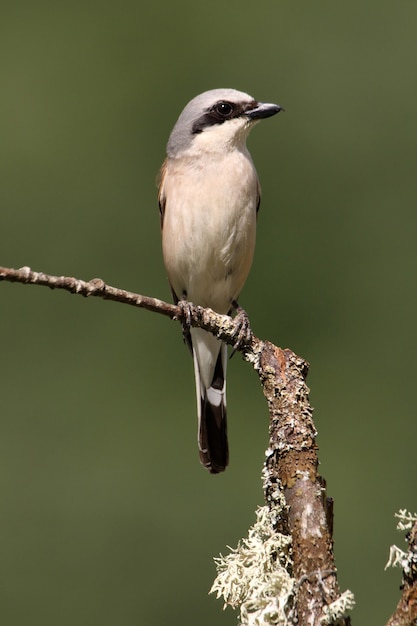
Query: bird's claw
(185, 317)
(243, 331)
(186, 312)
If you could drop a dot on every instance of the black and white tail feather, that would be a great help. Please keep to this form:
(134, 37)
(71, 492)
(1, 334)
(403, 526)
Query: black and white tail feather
(212, 421)
(210, 363)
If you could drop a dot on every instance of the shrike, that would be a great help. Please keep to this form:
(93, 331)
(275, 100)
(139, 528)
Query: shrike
(209, 197)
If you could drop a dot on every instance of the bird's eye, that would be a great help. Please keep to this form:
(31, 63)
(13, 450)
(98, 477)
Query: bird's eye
(225, 109)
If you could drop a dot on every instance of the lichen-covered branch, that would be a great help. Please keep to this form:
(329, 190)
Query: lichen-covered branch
(291, 466)
(406, 612)
(295, 496)
(294, 492)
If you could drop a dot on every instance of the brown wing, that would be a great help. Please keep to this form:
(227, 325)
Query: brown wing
(258, 198)
(161, 195)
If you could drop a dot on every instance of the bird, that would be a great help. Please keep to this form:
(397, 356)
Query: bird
(209, 196)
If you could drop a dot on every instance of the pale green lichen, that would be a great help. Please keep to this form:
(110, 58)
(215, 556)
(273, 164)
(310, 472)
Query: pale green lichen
(407, 561)
(339, 608)
(406, 519)
(255, 577)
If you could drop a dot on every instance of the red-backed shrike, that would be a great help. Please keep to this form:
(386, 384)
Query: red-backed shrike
(209, 197)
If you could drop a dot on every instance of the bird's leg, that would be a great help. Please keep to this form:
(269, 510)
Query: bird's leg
(186, 312)
(243, 332)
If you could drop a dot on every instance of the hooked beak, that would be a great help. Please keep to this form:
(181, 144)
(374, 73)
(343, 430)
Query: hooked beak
(262, 110)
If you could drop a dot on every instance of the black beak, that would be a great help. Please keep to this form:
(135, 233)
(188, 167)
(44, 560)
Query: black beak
(263, 110)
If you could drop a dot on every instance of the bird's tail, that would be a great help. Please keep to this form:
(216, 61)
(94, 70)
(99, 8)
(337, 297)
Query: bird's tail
(212, 423)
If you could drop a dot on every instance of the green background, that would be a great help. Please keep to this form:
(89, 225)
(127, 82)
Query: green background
(106, 516)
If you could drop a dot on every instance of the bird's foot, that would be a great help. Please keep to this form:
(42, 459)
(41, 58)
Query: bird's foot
(186, 312)
(243, 331)
(185, 318)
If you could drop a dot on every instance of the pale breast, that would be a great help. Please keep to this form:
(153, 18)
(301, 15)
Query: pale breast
(209, 227)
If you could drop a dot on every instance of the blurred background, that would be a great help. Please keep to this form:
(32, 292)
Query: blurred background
(106, 516)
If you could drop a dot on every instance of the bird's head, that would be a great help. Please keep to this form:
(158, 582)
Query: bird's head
(216, 121)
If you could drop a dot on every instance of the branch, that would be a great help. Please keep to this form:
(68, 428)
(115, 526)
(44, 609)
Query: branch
(291, 466)
(222, 326)
(292, 462)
